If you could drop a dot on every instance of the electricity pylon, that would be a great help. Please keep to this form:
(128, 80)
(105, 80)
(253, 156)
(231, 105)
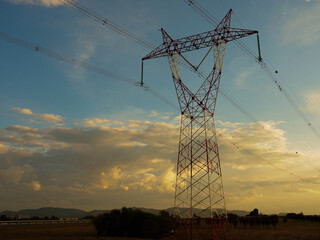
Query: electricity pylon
(199, 194)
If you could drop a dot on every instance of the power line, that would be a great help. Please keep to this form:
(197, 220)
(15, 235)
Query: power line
(209, 18)
(45, 51)
(203, 12)
(289, 99)
(106, 22)
(233, 101)
(17, 41)
(137, 16)
(78, 63)
(264, 66)
(195, 5)
(96, 17)
(248, 152)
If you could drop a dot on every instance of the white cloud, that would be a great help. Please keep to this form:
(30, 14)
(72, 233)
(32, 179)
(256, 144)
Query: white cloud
(50, 118)
(242, 77)
(22, 129)
(312, 100)
(95, 122)
(251, 146)
(301, 26)
(161, 116)
(158, 178)
(46, 3)
(134, 162)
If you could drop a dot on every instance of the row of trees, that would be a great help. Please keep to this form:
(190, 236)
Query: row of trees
(253, 221)
(129, 222)
(5, 218)
(301, 217)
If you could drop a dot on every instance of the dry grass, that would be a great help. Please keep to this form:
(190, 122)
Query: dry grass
(79, 231)
(292, 230)
(48, 232)
(284, 231)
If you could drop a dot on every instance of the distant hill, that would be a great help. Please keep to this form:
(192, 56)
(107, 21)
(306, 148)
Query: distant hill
(240, 213)
(282, 214)
(77, 213)
(97, 212)
(47, 211)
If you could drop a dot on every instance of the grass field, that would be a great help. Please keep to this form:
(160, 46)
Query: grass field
(284, 231)
(292, 230)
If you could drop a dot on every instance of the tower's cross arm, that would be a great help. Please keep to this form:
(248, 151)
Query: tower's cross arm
(222, 33)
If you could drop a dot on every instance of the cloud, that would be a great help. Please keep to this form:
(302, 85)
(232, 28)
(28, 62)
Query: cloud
(149, 179)
(242, 77)
(9, 155)
(95, 122)
(12, 174)
(119, 153)
(160, 116)
(248, 146)
(22, 129)
(312, 100)
(36, 186)
(45, 3)
(301, 26)
(133, 162)
(50, 118)
(16, 174)
(23, 137)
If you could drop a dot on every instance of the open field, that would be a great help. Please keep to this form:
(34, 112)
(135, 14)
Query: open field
(292, 230)
(284, 231)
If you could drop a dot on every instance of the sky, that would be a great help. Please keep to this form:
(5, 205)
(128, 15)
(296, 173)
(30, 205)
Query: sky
(72, 138)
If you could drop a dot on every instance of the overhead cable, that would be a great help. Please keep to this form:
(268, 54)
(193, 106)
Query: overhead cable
(98, 18)
(137, 16)
(234, 102)
(78, 63)
(248, 152)
(195, 5)
(106, 22)
(264, 66)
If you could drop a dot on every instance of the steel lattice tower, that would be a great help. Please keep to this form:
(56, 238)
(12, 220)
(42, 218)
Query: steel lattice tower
(199, 194)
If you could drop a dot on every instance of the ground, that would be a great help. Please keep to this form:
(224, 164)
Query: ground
(294, 230)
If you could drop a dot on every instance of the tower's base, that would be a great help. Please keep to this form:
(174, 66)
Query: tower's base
(201, 228)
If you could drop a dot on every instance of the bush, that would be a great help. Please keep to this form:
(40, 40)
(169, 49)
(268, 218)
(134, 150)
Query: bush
(301, 217)
(233, 219)
(258, 221)
(133, 223)
(5, 218)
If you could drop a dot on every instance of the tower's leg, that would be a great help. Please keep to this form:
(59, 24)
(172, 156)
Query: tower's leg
(199, 194)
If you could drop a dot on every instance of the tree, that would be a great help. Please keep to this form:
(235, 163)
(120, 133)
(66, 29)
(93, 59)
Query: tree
(255, 212)
(233, 219)
(133, 223)
(4, 218)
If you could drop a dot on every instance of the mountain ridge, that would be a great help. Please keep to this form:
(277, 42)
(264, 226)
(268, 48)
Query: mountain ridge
(78, 213)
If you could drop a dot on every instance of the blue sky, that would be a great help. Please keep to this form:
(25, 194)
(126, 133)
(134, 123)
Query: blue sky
(58, 119)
